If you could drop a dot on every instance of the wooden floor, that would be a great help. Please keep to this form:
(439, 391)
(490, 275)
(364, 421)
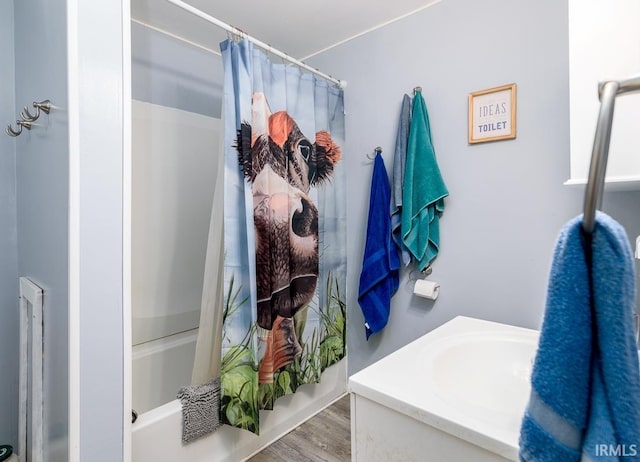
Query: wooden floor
(325, 437)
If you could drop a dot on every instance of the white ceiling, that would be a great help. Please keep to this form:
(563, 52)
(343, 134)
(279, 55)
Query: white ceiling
(300, 28)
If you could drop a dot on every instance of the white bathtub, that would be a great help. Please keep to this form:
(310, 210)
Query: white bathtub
(156, 435)
(172, 190)
(160, 368)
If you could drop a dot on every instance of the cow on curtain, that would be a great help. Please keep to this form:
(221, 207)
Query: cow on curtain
(284, 220)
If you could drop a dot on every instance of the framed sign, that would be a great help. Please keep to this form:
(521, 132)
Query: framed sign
(492, 114)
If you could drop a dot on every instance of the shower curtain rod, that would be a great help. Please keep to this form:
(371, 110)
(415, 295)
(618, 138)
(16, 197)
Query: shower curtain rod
(234, 30)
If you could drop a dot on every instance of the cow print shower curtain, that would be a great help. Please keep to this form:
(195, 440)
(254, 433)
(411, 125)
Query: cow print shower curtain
(284, 232)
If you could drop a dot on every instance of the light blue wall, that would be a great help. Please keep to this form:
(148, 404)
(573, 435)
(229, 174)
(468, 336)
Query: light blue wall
(175, 74)
(42, 191)
(8, 237)
(507, 202)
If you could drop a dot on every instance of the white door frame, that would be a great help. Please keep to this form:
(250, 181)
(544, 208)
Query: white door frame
(99, 107)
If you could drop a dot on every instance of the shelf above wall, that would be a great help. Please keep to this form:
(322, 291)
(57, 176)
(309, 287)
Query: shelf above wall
(618, 183)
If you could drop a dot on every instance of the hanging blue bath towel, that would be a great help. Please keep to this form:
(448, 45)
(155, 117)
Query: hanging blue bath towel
(379, 278)
(399, 161)
(423, 191)
(585, 397)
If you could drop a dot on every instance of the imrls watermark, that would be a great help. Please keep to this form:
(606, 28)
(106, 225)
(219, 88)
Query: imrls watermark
(616, 450)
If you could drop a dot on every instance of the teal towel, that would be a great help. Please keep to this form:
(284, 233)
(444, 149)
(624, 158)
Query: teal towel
(424, 190)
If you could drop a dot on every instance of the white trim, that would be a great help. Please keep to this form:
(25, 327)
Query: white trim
(127, 394)
(31, 368)
(74, 229)
(611, 183)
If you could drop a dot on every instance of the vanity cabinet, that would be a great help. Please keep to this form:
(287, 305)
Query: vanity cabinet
(382, 434)
(458, 393)
(604, 44)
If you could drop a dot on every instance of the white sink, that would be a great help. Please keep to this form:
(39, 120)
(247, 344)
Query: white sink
(469, 380)
(484, 374)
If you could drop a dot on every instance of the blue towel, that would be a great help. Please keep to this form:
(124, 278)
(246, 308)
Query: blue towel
(399, 160)
(423, 191)
(585, 396)
(379, 278)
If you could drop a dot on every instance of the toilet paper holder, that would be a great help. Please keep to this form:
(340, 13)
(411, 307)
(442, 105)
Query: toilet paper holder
(426, 289)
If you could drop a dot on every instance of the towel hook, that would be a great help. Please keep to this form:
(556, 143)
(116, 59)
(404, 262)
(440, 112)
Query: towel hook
(21, 124)
(377, 150)
(416, 274)
(11, 132)
(416, 90)
(44, 106)
(24, 124)
(27, 118)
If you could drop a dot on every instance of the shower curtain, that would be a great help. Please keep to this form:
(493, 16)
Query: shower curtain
(284, 283)
(208, 357)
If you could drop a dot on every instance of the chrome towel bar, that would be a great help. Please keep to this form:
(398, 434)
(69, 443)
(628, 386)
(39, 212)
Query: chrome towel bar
(607, 91)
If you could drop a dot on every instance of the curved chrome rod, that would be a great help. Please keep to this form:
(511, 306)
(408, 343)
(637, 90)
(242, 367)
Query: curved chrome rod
(600, 153)
(624, 86)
